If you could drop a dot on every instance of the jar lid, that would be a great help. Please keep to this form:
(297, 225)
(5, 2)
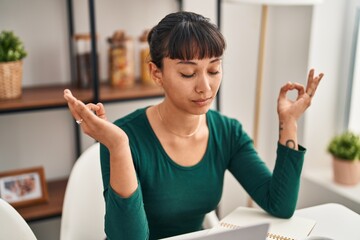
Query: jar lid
(144, 35)
(118, 37)
(83, 36)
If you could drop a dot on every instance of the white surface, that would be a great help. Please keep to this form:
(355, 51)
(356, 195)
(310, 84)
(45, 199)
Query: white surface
(278, 2)
(12, 225)
(324, 178)
(332, 220)
(84, 206)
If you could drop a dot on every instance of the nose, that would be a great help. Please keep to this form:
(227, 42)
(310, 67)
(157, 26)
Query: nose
(203, 84)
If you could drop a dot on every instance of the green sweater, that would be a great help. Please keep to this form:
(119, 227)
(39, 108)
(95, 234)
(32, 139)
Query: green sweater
(172, 199)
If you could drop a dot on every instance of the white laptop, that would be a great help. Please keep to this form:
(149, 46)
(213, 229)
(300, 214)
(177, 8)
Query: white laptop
(254, 232)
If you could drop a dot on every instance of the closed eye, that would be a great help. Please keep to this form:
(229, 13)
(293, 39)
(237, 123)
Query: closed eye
(187, 75)
(214, 73)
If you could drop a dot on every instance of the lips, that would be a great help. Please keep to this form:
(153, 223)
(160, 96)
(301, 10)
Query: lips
(202, 101)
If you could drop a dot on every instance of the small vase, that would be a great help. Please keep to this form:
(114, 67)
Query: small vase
(10, 80)
(346, 172)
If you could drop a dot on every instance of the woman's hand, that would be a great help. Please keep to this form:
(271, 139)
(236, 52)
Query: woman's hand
(292, 110)
(93, 122)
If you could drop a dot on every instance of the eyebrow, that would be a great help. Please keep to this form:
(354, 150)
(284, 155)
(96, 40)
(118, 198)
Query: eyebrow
(194, 63)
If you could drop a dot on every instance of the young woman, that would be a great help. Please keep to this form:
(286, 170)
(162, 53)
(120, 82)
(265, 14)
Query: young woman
(163, 166)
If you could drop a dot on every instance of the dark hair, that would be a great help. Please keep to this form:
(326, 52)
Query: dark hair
(185, 35)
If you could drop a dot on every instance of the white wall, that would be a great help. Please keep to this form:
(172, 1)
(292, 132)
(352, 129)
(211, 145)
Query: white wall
(42, 26)
(330, 50)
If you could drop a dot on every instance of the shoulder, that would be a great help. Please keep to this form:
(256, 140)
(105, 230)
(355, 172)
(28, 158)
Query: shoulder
(220, 121)
(131, 118)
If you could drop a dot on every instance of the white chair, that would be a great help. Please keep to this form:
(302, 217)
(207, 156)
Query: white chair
(84, 206)
(12, 224)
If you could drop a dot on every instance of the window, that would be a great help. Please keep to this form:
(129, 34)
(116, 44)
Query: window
(354, 90)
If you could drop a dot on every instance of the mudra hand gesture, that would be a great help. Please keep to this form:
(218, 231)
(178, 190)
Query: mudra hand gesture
(93, 122)
(290, 111)
(294, 109)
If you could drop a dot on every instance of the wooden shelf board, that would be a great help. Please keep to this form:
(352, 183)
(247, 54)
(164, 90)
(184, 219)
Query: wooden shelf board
(52, 96)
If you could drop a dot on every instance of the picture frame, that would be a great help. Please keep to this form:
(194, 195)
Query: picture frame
(24, 187)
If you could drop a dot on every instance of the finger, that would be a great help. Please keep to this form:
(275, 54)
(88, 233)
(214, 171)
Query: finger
(284, 89)
(300, 88)
(310, 79)
(101, 111)
(72, 104)
(312, 86)
(92, 107)
(86, 111)
(68, 95)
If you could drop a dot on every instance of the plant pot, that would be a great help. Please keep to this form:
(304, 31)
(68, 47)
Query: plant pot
(10, 80)
(346, 172)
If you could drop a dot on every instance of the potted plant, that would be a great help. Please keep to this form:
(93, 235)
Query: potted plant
(345, 149)
(11, 54)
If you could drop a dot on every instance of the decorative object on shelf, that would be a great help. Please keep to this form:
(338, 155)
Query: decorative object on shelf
(345, 149)
(144, 59)
(24, 187)
(83, 74)
(121, 60)
(11, 54)
(261, 53)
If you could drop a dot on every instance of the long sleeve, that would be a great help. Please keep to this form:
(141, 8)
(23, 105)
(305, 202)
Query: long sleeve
(275, 192)
(125, 218)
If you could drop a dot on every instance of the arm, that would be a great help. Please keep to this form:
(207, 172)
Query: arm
(125, 217)
(276, 192)
(123, 177)
(121, 190)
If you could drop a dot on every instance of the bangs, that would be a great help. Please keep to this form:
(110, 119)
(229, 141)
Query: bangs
(195, 40)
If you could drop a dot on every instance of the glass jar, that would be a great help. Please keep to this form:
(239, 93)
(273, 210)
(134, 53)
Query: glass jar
(121, 60)
(83, 60)
(144, 60)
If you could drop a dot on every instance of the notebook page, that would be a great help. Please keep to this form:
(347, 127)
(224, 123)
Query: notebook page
(280, 229)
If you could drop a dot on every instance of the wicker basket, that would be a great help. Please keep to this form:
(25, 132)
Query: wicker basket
(10, 80)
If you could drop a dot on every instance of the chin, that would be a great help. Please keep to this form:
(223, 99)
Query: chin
(199, 110)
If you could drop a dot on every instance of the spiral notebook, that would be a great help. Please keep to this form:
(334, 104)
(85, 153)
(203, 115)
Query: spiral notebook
(295, 228)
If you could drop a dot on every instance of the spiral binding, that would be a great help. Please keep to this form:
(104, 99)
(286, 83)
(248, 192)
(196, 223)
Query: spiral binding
(269, 235)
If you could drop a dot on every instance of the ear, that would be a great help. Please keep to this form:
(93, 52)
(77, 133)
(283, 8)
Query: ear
(155, 74)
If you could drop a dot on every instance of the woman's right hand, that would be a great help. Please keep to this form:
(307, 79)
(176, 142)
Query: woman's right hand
(93, 122)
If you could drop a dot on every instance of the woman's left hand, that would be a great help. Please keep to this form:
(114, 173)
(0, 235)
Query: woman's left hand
(292, 110)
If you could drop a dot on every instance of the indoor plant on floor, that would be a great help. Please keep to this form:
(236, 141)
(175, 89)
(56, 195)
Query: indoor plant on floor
(11, 54)
(345, 149)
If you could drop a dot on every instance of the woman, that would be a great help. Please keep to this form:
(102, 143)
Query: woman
(163, 166)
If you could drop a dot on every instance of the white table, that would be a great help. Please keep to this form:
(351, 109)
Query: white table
(332, 220)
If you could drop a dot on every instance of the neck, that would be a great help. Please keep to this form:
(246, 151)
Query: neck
(179, 131)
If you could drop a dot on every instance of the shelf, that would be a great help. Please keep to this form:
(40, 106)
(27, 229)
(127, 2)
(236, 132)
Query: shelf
(324, 178)
(53, 208)
(35, 98)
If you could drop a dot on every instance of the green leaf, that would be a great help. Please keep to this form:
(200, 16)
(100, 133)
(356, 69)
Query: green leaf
(345, 146)
(11, 47)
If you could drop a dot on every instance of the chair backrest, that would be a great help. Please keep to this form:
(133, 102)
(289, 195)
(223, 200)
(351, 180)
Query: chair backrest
(12, 224)
(84, 206)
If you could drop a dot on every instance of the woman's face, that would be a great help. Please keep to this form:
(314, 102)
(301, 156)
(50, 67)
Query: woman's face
(191, 85)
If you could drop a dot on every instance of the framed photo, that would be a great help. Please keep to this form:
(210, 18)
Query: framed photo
(24, 187)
